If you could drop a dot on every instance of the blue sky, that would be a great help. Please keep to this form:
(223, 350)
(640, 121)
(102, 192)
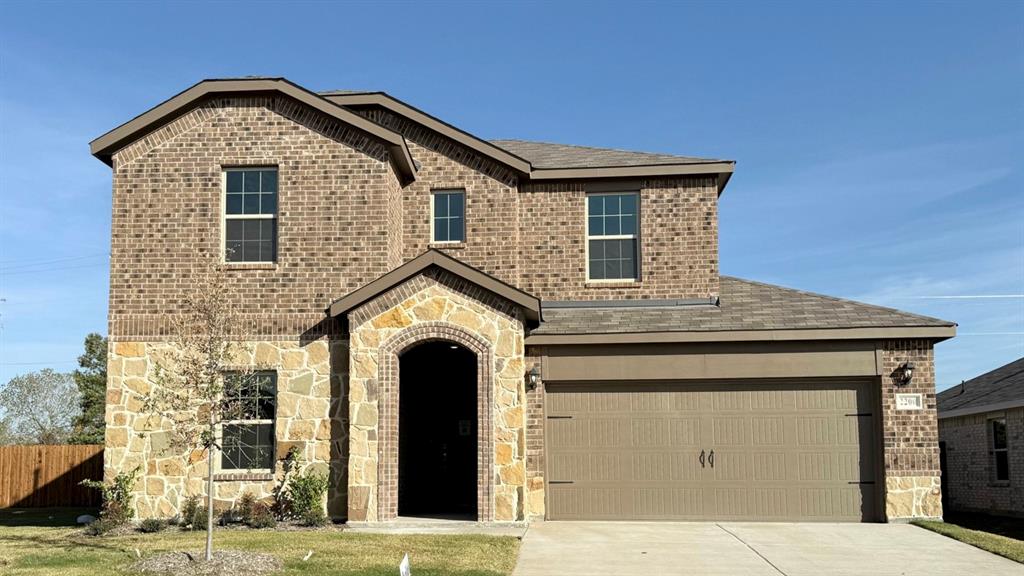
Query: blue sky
(879, 147)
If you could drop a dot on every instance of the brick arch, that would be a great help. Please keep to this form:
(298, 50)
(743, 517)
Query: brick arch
(389, 379)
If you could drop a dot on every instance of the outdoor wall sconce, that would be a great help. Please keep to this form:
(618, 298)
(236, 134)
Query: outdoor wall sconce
(904, 373)
(532, 378)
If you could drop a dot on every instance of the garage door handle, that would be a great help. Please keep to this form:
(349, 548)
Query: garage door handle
(701, 458)
(711, 458)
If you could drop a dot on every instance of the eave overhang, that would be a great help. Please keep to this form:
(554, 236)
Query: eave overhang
(933, 333)
(529, 304)
(106, 145)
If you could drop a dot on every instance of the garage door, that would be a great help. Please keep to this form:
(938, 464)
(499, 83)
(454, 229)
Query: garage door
(757, 450)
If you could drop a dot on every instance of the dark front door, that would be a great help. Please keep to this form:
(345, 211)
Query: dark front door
(437, 431)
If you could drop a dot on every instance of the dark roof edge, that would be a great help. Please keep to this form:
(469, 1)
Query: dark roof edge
(934, 333)
(529, 303)
(106, 145)
(969, 410)
(640, 303)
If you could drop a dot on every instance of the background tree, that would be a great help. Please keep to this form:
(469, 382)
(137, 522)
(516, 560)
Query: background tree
(189, 399)
(91, 379)
(40, 407)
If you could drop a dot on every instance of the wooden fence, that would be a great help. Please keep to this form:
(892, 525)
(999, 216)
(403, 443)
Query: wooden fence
(44, 476)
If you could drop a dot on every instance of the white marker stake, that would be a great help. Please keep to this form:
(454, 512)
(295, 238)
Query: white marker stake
(403, 568)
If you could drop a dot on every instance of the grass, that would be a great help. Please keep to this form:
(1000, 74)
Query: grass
(995, 543)
(47, 544)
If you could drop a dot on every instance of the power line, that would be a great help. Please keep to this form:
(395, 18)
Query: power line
(36, 262)
(56, 269)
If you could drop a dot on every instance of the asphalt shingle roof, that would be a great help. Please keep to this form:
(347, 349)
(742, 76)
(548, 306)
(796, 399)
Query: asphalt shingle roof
(544, 155)
(743, 305)
(1004, 384)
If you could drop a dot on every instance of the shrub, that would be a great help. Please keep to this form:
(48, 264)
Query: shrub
(315, 517)
(244, 507)
(191, 511)
(306, 494)
(261, 516)
(102, 526)
(150, 525)
(117, 498)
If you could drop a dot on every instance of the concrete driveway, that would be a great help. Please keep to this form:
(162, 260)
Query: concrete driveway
(749, 549)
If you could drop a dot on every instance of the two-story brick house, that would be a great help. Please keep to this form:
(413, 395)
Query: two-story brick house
(506, 330)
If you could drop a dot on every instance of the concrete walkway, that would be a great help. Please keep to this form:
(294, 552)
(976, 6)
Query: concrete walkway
(749, 549)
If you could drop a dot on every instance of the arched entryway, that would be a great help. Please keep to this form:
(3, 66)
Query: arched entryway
(438, 431)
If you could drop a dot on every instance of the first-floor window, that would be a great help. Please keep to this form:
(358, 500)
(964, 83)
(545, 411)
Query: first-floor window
(247, 433)
(999, 450)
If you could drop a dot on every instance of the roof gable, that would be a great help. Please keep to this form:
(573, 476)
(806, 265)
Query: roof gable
(529, 304)
(106, 145)
(544, 161)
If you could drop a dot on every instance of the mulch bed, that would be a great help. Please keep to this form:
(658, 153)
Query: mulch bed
(225, 562)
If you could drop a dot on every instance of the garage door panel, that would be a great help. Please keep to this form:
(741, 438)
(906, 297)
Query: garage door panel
(782, 451)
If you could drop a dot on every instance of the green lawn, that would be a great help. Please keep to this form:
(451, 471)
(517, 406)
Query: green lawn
(43, 544)
(1002, 545)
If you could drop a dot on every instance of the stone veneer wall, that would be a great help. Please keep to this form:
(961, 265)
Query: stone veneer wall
(311, 416)
(436, 306)
(910, 438)
(969, 482)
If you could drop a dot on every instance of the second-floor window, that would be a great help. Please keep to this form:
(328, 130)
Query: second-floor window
(448, 223)
(247, 433)
(612, 224)
(250, 211)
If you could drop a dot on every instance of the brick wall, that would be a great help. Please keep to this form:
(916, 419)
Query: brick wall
(969, 476)
(678, 241)
(910, 438)
(333, 233)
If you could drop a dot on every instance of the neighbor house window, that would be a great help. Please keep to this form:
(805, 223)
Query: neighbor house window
(449, 217)
(250, 227)
(247, 433)
(612, 224)
(1000, 455)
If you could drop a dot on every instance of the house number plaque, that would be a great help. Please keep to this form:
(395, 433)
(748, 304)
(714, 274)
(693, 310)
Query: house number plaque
(909, 401)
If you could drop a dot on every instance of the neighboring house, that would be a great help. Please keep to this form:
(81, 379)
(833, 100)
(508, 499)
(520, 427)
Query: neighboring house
(981, 430)
(502, 330)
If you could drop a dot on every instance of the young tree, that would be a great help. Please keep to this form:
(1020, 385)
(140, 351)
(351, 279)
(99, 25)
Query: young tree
(188, 398)
(39, 407)
(91, 379)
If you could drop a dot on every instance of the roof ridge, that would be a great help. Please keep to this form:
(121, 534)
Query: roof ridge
(843, 300)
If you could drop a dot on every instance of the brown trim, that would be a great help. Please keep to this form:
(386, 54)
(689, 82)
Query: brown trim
(529, 304)
(934, 333)
(416, 115)
(106, 145)
(993, 407)
(709, 361)
(633, 171)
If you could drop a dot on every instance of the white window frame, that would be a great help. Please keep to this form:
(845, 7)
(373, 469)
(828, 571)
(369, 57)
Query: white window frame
(993, 451)
(465, 210)
(588, 237)
(224, 216)
(219, 433)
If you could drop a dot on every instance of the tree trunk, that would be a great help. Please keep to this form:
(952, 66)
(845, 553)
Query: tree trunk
(209, 502)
